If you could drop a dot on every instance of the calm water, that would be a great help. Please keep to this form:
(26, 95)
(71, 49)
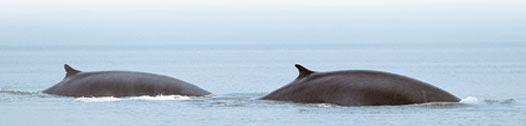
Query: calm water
(491, 78)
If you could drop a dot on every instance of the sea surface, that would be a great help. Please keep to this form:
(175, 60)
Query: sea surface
(490, 78)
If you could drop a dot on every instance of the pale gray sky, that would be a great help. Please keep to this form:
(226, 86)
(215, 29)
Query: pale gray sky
(158, 22)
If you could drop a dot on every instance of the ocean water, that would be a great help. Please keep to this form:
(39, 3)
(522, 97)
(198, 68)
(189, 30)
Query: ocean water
(490, 78)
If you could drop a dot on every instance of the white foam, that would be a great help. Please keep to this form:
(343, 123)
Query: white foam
(161, 97)
(469, 100)
(147, 98)
(326, 105)
(97, 99)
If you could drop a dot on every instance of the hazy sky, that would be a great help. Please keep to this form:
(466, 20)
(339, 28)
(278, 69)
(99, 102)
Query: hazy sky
(158, 22)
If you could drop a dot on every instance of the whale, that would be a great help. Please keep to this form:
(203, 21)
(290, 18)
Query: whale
(120, 84)
(358, 88)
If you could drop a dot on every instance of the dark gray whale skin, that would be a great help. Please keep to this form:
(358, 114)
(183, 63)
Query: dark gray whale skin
(120, 84)
(358, 88)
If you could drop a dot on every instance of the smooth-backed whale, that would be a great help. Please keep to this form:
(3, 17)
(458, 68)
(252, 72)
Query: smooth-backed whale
(358, 88)
(121, 84)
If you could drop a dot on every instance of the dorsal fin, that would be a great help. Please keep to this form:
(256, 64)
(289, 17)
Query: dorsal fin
(70, 71)
(303, 72)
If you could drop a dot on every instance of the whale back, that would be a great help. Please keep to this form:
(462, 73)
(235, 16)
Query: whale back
(121, 84)
(359, 87)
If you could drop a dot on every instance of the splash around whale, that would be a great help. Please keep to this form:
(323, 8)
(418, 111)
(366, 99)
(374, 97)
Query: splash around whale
(121, 84)
(358, 88)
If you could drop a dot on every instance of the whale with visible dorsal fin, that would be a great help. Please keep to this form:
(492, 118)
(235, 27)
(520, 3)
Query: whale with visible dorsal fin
(120, 84)
(358, 88)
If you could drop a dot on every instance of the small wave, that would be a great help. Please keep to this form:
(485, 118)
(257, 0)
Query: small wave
(505, 101)
(17, 92)
(470, 100)
(148, 98)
